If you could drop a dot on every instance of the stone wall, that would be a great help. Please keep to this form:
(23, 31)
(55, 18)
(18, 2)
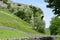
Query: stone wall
(43, 38)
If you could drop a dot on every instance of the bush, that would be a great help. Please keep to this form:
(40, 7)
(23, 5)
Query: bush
(5, 1)
(55, 26)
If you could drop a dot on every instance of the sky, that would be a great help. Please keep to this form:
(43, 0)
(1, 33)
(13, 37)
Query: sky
(48, 14)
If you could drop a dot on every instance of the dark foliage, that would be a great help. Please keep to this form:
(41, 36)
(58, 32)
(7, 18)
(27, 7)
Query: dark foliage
(55, 26)
(55, 5)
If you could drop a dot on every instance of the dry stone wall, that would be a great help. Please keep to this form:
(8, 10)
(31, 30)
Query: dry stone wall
(43, 38)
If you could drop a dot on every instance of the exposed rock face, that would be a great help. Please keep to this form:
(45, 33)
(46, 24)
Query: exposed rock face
(3, 4)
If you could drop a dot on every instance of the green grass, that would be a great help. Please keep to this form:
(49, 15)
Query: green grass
(10, 20)
(47, 31)
(11, 34)
(58, 38)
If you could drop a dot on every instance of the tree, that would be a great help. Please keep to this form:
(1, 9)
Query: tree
(55, 26)
(39, 25)
(20, 14)
(55, 5)
(5, 1)
(32, 15)
(25, 14)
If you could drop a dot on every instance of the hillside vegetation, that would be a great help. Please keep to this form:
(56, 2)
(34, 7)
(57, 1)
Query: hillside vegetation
(26, 18)
(13, 21)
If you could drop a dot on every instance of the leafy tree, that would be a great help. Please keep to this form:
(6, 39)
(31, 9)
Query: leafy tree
(55, 26)
(55, 5)
(9, 6)
(28, 13)
(55, 23)
(32, 15)
(34, 9)
(5, 1)
(24, 14)
(39, 25)
(20, 14)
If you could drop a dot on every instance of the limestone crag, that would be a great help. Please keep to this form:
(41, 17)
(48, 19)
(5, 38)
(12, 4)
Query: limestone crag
(3, 4)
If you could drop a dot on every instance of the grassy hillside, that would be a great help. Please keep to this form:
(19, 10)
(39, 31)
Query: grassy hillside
(10, 20)
(58, 38)
(47, 31)
(20, 17)
(11, 34)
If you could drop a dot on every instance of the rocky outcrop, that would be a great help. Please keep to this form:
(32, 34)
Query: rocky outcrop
(3, 4)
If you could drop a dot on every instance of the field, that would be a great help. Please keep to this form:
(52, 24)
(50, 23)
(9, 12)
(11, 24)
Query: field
(11, 34)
